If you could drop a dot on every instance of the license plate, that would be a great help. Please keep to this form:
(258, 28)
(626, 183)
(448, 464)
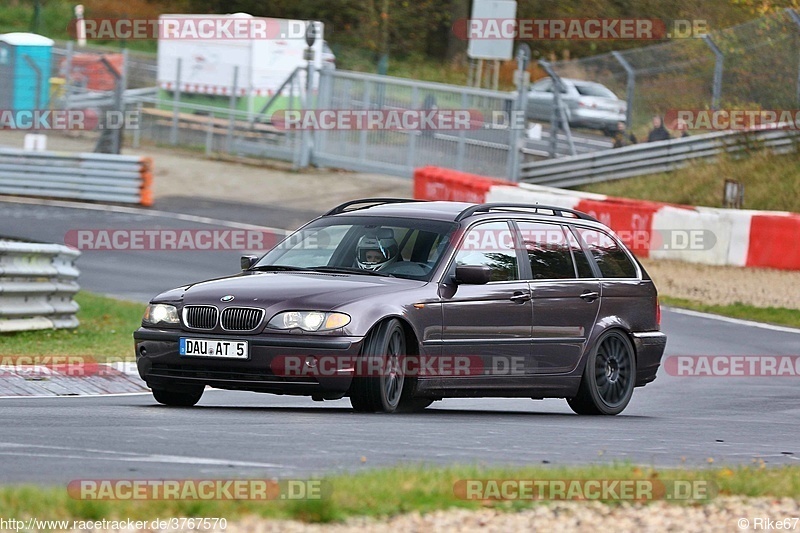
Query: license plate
(213, 348)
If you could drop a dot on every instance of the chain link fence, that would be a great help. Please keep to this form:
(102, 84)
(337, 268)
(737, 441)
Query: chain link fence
(756, 66)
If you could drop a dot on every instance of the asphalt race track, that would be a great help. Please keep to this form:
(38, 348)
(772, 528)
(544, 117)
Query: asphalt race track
(673, 421)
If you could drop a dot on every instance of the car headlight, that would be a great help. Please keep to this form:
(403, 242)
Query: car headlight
(160, 314)
(309, 320)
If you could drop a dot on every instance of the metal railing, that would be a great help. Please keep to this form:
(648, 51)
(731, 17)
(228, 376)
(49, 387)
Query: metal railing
(87, 176)
(37, 286)
(653, 158)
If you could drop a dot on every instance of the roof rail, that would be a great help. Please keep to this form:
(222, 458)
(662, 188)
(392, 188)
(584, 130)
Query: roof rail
(485, 208)
(369, 201)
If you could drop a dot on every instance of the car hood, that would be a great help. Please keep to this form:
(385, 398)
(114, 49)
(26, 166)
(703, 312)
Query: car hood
(290, 290)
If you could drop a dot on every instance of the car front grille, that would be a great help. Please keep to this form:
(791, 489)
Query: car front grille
(241, 318)
(200, 316)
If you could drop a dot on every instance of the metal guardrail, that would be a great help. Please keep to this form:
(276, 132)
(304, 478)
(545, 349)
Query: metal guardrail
(86, 176)
(652, 158)
(37, 285)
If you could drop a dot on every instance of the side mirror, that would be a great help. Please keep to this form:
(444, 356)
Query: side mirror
(247, 261)
(473, 274)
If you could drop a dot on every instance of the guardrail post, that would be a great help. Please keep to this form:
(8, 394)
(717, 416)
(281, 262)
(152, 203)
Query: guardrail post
(796, 19)
(210, 134)
(719, 58)
(176, 100)
(630, 89)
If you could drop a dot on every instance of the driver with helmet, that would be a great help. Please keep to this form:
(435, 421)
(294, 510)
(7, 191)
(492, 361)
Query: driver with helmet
(374, 252)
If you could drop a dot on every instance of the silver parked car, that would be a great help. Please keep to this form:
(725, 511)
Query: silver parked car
(587, 104)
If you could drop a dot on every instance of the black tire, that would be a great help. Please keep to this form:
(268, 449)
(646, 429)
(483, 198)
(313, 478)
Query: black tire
(609, 377)
(381, 393)
(178, 398)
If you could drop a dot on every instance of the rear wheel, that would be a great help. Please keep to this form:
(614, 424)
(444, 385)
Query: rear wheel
(178, 397)
(383, 354)
(609, 377)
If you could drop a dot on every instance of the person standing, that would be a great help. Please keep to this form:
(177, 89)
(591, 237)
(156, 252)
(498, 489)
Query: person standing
(659, 132)
(622, 137)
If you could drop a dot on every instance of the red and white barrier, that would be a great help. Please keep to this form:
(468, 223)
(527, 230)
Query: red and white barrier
(651, 229)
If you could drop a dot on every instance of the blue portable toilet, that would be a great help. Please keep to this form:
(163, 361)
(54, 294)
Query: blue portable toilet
(18, 77)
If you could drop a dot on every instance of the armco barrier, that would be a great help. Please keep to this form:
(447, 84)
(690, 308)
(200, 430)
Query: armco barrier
(653, 157)
(37, 285)
(85, 176)
(730, 236)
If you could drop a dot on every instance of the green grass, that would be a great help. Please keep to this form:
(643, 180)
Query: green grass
(388, 492)
(772, 315)
(105, 332)
(771, 182)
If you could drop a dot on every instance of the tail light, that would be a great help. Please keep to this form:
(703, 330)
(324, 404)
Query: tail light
(658, 313)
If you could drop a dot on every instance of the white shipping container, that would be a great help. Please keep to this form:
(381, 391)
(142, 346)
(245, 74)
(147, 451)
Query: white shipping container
(207, 65)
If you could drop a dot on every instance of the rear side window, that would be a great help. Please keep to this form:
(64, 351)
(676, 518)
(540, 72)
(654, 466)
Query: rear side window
(548, 250)
(612, 260)
(490, 244)
(581, 261)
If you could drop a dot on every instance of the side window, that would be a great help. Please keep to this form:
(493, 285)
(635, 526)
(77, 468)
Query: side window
(581, 261)
(612, 260)
(490, 244)
(548, 250)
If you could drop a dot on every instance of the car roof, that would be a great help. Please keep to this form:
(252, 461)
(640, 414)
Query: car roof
(457, 211)
(437, 210)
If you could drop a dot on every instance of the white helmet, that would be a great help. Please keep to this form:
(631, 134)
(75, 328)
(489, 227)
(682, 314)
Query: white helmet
(374, 253)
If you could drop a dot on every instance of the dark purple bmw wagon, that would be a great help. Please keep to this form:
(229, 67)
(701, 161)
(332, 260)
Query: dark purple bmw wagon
(397, 303)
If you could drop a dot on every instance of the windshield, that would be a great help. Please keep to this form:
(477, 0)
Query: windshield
(595, 90)
(398, 247)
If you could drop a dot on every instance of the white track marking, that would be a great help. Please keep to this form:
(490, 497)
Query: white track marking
(738, 321)
(138, 211)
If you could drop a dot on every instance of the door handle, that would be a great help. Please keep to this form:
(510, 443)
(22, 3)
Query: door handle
(590, 296)
(520, 297)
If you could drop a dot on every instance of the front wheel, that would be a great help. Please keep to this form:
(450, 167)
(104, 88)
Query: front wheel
(178, 398)
(383, 354)
(609, 377)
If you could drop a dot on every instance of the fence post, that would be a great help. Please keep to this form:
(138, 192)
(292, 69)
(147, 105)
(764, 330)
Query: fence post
(630, 89)
(462, 139)
(232, 108)
(137, 132)
(362, 140)
(719, 58)
(176, 100)
(411, 158)
(796, 19)
(559, 119)
(68, 73)
(210, 134)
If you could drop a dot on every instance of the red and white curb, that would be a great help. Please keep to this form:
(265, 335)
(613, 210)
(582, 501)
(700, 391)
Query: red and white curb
(740, 237)
(46, 381)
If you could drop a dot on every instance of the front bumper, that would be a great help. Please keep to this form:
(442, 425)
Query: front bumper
(160, 364)
(649, 347)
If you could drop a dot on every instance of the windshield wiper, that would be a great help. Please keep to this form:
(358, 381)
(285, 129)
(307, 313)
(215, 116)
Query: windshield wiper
(348, 270)
(276, 268)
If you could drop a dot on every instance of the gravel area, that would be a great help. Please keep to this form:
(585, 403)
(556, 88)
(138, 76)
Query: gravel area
(728, 514)
(722, 285)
